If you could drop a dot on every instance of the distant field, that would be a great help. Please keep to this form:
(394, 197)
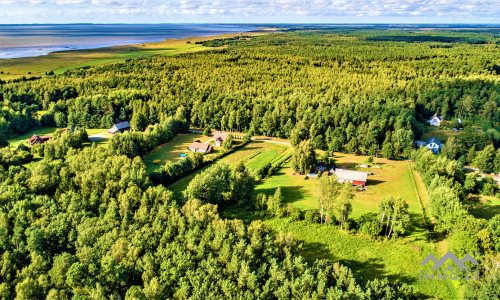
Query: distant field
(393, 178)
(59, 62)
(171, 151)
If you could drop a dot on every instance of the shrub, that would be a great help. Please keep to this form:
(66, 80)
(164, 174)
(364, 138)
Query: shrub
(312, 216)
(372, 228)
(156, 161)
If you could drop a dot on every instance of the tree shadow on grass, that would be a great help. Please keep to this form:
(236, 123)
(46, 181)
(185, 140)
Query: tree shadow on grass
(290, 194)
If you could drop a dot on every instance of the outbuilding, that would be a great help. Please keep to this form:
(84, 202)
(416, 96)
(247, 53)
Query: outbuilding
(120, 127)
(354, 177)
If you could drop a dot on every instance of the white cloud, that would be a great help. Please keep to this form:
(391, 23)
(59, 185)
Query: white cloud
(262, 10)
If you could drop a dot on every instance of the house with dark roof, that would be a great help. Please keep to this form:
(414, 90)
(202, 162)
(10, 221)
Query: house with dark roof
(120, 127)
(432, 144)
(198, 146)
(354, 177)
(219, 137)
(35, 139)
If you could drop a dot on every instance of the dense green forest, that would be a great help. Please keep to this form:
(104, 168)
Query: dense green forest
(88, 222)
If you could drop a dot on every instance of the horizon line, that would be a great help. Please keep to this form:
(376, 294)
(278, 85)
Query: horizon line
(259, 23)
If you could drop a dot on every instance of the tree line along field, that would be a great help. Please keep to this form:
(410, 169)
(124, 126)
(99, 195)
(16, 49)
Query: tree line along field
(106, 220)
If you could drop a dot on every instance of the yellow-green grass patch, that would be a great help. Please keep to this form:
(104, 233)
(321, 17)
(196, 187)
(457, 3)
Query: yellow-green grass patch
(392, 178)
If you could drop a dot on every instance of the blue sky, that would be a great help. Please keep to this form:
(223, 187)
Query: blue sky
(249, 11)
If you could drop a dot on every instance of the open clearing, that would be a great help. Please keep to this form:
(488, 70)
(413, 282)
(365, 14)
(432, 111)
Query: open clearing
(393, 178)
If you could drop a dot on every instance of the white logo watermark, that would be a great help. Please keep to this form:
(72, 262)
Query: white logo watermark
(461, 271)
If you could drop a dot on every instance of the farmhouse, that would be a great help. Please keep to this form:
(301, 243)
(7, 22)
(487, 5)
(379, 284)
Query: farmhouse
(198, 146)
(219, 137)
(120, 127)
(432, 144)
(354, 177)
(435, 120)
(35, 139)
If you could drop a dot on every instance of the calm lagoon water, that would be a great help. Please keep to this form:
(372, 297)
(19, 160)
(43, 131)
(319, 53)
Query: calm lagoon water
(35, 40)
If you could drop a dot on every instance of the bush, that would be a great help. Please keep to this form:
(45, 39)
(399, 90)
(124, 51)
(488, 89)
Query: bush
(312, 216)
(292, 212)
(372, 228)
(156, 161)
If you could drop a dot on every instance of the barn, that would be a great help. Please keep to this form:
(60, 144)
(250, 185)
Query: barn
(354, 177)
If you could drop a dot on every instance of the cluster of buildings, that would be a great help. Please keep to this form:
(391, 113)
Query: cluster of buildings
(198, 146)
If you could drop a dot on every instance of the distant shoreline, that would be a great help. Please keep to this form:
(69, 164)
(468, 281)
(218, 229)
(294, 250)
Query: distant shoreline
(38, 40)
(60, 61)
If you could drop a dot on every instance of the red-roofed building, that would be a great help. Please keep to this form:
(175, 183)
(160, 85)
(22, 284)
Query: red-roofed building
(35, 139)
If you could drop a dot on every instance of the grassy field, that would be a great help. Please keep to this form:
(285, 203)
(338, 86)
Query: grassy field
(253, 155)
(393, 178)
(367, 257)
(67, 60)
(171, 151)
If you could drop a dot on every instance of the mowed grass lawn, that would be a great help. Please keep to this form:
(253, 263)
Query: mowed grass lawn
(172, 150)
(393, 178)
(253, 155)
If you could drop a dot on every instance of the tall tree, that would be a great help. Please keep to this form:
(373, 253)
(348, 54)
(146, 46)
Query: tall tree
(304, 157)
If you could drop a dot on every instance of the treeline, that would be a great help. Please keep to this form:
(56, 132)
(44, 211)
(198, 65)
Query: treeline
(376, 92)
(448, 188)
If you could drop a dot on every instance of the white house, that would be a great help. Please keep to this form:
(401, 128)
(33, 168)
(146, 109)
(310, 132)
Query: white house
(435, 120)
(432, 144)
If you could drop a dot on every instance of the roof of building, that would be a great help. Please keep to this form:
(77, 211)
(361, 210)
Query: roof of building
(122, 125)
(433, 140)
(220, 134)
(351, 175)
(41, 138)
(436, 116)
(200, 146)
